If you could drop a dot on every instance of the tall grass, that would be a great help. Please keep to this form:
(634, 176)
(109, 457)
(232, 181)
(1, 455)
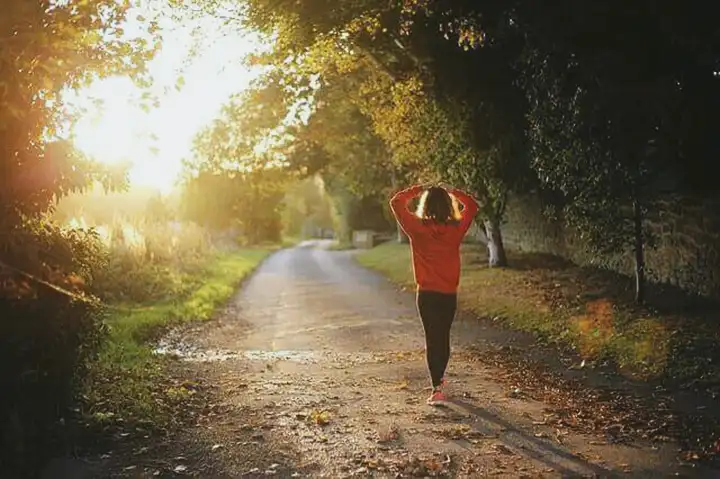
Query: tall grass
(152, 276)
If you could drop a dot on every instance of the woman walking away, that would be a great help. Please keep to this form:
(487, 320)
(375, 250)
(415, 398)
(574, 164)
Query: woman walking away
(435, 230)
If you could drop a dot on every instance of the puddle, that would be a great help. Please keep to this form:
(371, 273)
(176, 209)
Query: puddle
(297, 356)
(194, 354)
(187, 353)
(203, 355)
(172, 346)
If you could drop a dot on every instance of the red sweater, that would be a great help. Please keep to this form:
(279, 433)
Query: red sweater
(435, 246)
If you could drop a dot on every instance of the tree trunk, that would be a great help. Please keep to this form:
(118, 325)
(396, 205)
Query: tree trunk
(496, 249)
(345, 232)
(401, 236)
(639, 254)
(342, 203)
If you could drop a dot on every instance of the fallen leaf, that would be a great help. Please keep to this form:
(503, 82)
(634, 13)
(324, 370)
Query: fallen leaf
(321, 418)
(503, 449)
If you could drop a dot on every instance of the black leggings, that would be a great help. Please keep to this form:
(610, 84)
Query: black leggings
(437, 311)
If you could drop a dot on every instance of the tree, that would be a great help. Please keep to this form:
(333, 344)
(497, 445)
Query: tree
(306, 131)
(47, 47)
(458, 108)
(479, 88)
(442, 132)
(357, 166)
(609, 113)
(306, 209)
(49, 328)
(250, 201)
(157, 209)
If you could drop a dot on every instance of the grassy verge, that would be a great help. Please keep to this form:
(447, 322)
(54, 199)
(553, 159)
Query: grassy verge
(290, 241)
(341, 246)
(588, 310)
(127, 383)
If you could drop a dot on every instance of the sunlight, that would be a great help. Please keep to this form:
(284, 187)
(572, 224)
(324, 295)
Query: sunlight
(153, 130)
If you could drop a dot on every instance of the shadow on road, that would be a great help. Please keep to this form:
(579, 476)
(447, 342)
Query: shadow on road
(560, 460)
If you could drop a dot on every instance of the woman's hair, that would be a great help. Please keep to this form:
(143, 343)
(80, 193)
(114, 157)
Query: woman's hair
(437, 205)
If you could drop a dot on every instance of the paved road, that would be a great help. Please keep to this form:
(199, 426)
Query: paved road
(311, 299)
(319, 371)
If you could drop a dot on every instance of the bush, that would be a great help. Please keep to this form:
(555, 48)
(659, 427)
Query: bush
(48, 337)
(50, 332)
(148, 261)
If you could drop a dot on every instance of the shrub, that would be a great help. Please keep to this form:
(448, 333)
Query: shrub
(52, 282)
(47, 339)
(49, 333)
(148, 261)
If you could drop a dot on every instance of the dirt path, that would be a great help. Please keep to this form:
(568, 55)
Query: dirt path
(317, 370)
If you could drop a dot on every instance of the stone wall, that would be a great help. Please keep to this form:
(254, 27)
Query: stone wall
(686, 254)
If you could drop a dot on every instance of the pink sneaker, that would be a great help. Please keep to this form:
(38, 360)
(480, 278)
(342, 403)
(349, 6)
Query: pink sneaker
(437, 398)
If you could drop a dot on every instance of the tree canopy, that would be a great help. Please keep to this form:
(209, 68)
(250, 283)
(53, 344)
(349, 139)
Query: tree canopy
(428, 108)
(49, 47)
(500, 98)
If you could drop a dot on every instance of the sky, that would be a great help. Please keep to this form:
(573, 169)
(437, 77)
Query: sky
(156, 142)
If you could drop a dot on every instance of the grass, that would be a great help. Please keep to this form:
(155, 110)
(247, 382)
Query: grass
(290, 241)
(585, 309)
(340, 246)
(127, 381)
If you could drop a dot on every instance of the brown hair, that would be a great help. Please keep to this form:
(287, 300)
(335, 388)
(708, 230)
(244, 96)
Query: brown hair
(437, 205)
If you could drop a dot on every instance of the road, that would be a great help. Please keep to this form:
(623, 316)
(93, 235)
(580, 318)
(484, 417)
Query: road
(318, 370)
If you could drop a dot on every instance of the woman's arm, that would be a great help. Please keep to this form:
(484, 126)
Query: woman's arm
(470, 208)
(399, 206)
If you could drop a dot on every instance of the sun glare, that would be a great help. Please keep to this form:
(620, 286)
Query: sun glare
(114, 126)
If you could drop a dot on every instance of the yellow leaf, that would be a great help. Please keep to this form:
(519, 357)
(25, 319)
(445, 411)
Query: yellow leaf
(321, 418)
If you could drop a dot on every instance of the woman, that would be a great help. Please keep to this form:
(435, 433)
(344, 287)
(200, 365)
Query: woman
(435, 230)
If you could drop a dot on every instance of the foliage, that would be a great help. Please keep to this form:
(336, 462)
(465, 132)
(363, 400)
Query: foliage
(48, 46)
(52, 329)
(48, 333)
(127, 386)
(99, 207)
(438, 109)
(138, 251)
(247, 128)
(609, 122)
(236, 180)
(354, 154)
(474, 90)
(158, 210)
(306, 209)
(48, 337)
(611, 130)
(51, 253)
(148, 262)
(250, 201)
